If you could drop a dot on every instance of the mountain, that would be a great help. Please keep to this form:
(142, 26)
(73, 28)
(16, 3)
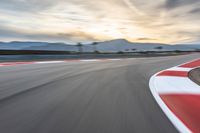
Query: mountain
(126, 46)
(41, 46)
(19, 45)
(193, 46)
(107, 46)
(54, 47)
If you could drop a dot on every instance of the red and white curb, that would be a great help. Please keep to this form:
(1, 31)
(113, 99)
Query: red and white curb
(53, 62)
(178, 96)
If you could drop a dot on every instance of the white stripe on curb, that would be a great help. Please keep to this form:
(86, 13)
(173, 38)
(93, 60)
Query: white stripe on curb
(177, 85)
(180, 69)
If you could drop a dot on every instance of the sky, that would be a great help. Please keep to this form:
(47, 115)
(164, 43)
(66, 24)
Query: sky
(159, 21)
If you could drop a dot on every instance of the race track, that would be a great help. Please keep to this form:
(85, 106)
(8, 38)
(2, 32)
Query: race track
(84, 97)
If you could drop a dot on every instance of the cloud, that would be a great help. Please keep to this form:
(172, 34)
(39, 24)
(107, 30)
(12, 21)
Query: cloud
(146, 39)
(74, 36)
(195, 11)
(167, 21)
(170, 4)
(27, 5)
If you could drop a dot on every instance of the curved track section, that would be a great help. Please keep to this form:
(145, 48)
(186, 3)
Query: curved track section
(84, 97)
(178, 96)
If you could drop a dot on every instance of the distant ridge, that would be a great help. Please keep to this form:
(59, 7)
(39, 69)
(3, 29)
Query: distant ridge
(107, 46)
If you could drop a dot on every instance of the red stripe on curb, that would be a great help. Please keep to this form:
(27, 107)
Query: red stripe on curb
(186, 107)
(192, 64)
(15, 63)
(174, 73)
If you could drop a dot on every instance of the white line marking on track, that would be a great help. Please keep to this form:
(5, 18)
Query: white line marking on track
(48, 62)
(114, 59)
(52, 62)
(90, 60)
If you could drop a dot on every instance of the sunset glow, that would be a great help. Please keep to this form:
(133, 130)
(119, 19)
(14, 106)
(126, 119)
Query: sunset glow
(163, 21)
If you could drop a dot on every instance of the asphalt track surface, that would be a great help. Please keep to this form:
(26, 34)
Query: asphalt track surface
(84, 97)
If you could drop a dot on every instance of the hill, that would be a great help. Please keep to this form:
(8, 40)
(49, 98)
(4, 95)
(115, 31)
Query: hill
(107, 46)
